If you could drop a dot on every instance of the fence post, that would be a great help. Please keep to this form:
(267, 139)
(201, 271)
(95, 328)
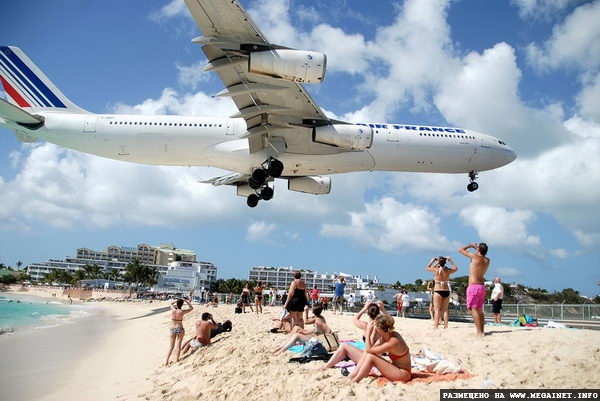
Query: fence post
(562, 310)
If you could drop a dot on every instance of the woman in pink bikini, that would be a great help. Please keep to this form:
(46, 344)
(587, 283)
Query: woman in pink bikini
(396, 368)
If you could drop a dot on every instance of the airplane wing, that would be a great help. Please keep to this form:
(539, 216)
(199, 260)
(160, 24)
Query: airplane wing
(271, 105)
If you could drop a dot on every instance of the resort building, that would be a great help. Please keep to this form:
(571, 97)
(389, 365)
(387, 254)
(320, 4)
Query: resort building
(177, 268)
(187, 276)
(146, 254)
(281, 277)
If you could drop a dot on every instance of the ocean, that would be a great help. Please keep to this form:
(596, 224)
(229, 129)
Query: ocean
(22, 312)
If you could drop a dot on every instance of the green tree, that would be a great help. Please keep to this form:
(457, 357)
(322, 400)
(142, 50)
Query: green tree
(232, 285)
(418, 282)
(137, 274)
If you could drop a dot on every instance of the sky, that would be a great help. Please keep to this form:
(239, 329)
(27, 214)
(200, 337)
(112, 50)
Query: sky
(525, 71)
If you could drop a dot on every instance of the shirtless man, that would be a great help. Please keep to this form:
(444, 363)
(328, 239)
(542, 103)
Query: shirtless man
(476, 290)
(202, 336)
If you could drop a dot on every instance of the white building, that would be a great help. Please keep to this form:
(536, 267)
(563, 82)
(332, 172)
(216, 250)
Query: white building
(187, 276)
(281, 277)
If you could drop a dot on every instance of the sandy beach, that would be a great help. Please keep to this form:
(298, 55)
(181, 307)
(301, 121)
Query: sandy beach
(126, 361)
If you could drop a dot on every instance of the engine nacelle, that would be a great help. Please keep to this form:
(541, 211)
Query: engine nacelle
(346, 136)
(315, 185)
(293, 65)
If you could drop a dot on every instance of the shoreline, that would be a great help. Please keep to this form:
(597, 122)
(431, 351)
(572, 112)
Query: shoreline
(125, 360)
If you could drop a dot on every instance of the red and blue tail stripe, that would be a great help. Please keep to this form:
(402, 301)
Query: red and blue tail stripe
(22, 84)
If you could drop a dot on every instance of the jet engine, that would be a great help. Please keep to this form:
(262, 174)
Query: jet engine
(289, 64)
(316, 185)
(346, 136)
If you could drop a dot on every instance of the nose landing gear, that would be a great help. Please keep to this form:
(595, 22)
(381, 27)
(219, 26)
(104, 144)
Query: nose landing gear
(473, 185)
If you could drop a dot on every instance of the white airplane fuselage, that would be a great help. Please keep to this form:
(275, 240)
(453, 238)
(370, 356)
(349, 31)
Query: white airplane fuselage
(217, 142)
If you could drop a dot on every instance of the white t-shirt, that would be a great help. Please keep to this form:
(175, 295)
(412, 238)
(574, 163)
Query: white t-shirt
(498, 291)
(405, 300)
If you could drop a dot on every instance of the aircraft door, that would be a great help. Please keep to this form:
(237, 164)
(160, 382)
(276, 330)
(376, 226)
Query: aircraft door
(229, 128)
(90, 124)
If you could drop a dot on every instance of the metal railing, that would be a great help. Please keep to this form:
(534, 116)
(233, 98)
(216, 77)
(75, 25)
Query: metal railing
(577, 315)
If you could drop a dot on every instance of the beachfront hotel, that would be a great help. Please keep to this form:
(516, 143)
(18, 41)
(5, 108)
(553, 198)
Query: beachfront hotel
(178, 268)
(281, 277)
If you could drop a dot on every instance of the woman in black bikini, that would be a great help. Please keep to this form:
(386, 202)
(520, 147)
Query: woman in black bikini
(258, 297)
(245, 298)
(177, 331)
(441, 288)
(396, 368)
(297, 299)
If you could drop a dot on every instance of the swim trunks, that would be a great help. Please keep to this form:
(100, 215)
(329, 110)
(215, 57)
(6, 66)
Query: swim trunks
(475, 296)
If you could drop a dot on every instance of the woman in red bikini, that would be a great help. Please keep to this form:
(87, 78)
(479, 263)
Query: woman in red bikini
(396, 368)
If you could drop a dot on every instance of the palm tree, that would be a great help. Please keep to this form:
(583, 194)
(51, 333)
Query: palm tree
(137, 273)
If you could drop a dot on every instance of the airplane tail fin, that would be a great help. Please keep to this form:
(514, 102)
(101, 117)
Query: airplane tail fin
(26, 85)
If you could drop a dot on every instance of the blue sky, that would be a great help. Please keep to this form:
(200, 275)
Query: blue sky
(526, 71)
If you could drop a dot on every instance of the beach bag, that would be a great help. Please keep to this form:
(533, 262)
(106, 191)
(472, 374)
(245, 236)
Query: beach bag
(329, 340)
(313, 347)
(238, 309)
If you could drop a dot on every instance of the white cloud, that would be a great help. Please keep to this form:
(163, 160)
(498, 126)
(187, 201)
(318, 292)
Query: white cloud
(191, 76)
(575, 42)
(391, 226)
(542, 9)
(589, 99)
(172, 9)
(507, 272)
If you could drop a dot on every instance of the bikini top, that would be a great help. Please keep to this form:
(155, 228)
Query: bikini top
(393, 357)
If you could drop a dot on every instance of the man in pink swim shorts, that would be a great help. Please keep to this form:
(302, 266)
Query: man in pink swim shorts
(476, 289)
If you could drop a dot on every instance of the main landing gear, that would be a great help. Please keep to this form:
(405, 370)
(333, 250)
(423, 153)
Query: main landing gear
(473, 185)
(259, 181)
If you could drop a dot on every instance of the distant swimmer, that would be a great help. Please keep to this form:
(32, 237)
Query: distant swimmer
(476, 290)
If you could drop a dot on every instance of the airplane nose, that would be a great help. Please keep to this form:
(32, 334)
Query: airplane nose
(510, 156)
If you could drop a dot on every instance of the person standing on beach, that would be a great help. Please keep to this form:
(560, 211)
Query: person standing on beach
(245, 298)
(258, 297)
(497, 295)
(441, 288)
(296, 300)
(338, 295)
(177, 331)
(476, 290)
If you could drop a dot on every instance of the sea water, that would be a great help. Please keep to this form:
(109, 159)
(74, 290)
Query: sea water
(19, 312)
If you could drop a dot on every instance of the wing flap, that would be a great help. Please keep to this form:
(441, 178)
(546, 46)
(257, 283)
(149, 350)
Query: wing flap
(231, 179)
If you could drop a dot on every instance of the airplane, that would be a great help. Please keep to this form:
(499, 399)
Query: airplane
(279, 131)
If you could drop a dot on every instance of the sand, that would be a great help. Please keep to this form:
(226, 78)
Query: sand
(127, 362)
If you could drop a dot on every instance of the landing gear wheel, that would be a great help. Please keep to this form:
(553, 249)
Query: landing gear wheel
(257, 179)
(274, 167)
(473, 185)
(252, 200)
(266, 193)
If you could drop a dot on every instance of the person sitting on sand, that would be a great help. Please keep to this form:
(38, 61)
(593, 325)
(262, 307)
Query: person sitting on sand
(373, 309)
(203, 330)
(284, 324)
(303, 335)
(177, 330)
(396, 368)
